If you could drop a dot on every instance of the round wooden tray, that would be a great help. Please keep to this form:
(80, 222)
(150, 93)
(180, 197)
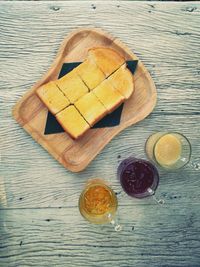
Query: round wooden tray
(75, 155)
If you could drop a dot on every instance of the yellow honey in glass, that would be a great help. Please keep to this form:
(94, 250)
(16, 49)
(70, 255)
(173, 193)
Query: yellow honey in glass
(98, 202)
(169, 150)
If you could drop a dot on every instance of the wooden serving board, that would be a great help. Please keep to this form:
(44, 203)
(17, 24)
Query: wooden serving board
(75, 155)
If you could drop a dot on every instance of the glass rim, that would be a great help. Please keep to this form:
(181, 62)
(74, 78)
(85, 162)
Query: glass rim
(166, 166)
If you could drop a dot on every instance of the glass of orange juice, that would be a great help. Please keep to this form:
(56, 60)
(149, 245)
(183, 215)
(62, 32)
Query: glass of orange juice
(98, 203)
(169, 150)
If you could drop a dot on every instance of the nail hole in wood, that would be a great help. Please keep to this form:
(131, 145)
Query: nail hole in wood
(55, 8)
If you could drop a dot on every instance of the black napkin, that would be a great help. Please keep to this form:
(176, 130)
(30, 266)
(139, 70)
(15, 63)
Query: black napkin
(110, 120)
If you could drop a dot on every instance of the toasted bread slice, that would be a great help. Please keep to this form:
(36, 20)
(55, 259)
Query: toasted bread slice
(108, 96)
(122, 80)
(90, 108)
(90, 73)
(107, 59)
(72, 86)
(52, 97)
(72, 122)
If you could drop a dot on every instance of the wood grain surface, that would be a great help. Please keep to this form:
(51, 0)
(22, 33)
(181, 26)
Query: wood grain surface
(40, 224)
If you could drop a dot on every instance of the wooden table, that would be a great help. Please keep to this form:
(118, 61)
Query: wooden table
(40, 224)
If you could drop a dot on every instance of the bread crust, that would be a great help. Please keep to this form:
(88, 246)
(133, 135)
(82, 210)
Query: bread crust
(107, 59)
(123, 81)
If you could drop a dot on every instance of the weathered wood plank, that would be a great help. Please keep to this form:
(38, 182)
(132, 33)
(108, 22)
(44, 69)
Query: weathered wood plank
(164, 35)
(60, 237)
(32, 178)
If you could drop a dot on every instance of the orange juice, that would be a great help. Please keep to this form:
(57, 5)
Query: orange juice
(97, 201)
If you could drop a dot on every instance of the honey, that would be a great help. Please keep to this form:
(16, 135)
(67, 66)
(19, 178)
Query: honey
(97, 202)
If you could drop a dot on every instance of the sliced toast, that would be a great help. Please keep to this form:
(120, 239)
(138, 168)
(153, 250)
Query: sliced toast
(122, 81)
(72, 86)
(107, 59)
(86, 94)
(90, 108)
(72, 122)
(108, 96)
(90, 73)
(52, 97)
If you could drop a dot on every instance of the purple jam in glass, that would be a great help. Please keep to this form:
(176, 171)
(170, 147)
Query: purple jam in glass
(139, 178)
